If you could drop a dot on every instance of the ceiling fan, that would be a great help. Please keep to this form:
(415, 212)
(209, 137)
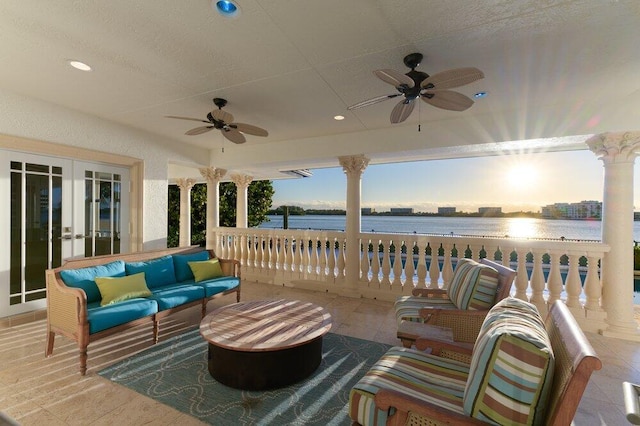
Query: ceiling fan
(223, 121)
(431, 89)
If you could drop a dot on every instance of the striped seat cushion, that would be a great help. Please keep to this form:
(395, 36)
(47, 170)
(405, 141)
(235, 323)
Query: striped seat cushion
(407, 307)
(433, 379)
(511, 369)
(473, 285)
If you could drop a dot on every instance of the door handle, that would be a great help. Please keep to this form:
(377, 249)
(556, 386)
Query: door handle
(65, 237)
(80, 236)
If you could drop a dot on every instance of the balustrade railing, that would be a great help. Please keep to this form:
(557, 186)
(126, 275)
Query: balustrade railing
(393, 264)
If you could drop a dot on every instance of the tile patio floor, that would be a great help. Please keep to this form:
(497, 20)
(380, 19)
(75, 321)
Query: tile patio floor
(49, 391)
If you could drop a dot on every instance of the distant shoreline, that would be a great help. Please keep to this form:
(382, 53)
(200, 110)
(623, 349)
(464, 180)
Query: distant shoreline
(532, 215)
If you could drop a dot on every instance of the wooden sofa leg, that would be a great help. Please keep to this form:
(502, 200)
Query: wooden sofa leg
(156, 331)
(83, 361)
(238, 296)
(51, 337)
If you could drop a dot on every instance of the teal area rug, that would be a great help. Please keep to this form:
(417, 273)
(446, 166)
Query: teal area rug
(175, 373)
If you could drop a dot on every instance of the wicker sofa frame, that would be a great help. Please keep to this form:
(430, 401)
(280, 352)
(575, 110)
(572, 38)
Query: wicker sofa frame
(67, 306)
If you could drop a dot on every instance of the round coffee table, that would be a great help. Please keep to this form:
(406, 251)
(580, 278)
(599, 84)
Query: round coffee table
(264, 344)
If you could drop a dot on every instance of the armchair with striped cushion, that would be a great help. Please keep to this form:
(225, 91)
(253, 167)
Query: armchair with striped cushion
(462, 306)
(523, 371)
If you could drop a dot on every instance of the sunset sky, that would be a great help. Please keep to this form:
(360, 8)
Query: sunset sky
(514, 182)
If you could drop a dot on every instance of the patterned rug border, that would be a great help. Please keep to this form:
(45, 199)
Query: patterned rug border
(175, 373)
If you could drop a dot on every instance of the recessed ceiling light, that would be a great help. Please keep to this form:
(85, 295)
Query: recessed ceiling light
(480, 95)
(226, 8)
(339, 117)
(79, 65)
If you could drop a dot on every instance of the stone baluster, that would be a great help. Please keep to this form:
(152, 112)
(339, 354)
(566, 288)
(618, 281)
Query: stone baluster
(314, 256)
(475, 251)
(554, 281)
(397, 266)
(364, 260)
(434, 268)
(537, 283)
(386, 264)
(573, 286)
(231, 246)
(305, 258)
(522, 279)
(276, 260)
(375, 264)
(592, 285)
(409, 269)
(260, 252)
(422, 266)
(332, 257)
(341, 258)
(325, 244)
(447, 267)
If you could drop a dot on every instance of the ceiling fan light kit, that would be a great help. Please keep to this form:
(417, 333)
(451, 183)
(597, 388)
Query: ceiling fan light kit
(223, 121)
(431, 89)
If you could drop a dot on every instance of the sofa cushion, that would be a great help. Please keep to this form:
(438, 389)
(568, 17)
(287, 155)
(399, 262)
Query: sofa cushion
(511, 371)
(408, 307)
(173, 295)
(84, 278)
(411, 372)
(157, 272)
(473, 285)
(206, 269)
(181, 264)
(118, 289)
(218, 285)
(103, 317)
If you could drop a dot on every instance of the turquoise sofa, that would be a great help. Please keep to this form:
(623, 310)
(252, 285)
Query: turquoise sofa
(91, 298)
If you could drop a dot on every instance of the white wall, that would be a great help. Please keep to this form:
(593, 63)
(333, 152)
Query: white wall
(34, 119)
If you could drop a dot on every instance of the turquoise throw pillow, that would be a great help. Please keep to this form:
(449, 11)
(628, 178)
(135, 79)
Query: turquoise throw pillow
(181, 264)
(84, 278)
(158, 272)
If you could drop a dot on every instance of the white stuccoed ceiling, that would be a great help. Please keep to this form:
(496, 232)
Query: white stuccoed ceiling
(553, 69)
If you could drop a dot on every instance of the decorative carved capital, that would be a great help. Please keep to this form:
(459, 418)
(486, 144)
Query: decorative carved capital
(242, 181)
(213, 175)
(615, 147)
(185, 184)
(354, 164)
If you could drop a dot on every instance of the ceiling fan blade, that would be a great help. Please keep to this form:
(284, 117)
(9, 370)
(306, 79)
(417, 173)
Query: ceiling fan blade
(394, 78)
(373, 101)
(199, 130)
(401, 111)
(452, 78)
(223, 116)
(186, 118)
(233, 135)
(249, 129)
(447, 99)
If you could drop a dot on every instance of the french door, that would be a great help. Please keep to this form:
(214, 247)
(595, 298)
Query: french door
(55, 209)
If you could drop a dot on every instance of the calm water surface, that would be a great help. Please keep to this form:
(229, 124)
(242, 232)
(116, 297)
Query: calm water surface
(476, 226)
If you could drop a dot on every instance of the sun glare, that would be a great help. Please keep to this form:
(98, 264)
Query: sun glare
(522, 175)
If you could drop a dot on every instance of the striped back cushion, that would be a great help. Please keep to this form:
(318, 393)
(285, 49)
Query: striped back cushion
(473, 285)
(511, 371)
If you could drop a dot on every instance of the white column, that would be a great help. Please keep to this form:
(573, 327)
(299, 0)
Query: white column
(618, 152)
(353, 167)
(213, 177)
(242, 184)
(185, 186)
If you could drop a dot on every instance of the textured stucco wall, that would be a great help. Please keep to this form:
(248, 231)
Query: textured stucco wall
(34, 119)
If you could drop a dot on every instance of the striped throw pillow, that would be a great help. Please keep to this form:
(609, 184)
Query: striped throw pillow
(473, 285)
(511, 370)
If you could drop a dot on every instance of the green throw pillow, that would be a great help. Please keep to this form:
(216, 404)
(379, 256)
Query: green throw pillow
(114, 290)
(206, 270)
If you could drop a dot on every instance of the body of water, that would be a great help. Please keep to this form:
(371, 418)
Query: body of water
(475, 226)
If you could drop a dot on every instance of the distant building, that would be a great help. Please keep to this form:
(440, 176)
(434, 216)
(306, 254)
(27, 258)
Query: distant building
(446, 210)
(490, 211)
(401, 210)
(589, 209)
(367, 210)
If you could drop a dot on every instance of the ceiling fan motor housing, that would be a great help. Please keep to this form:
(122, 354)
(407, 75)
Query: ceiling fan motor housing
(418, 77)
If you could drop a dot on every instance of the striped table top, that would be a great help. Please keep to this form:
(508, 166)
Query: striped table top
(265, 325)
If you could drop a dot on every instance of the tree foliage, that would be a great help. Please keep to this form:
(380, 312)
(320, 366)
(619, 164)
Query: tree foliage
(259, 194)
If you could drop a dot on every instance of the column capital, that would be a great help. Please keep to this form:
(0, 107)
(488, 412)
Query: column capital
(241, 181)
(354, 164)
(185, 183)
(212, 174)
(615, 147)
